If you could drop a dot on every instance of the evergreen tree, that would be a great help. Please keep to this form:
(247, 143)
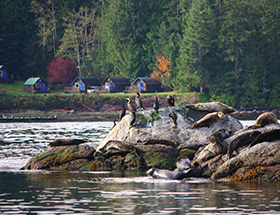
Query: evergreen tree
(270, 49)
(198, 47)
(17, 38)
(124, 26)
(234, 35)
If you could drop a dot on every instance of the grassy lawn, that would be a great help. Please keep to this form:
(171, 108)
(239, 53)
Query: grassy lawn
(160, 94)
(16, 99)
(16, 87)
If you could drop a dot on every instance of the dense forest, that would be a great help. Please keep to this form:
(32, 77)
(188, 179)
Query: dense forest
(227, 50)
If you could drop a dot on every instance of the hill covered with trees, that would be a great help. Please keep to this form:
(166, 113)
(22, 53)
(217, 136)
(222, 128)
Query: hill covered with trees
(226, 50)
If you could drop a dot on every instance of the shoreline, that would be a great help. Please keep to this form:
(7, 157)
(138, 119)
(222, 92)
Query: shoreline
(54, 116)
(80, 116)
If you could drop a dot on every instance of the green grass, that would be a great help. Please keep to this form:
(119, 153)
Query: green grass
(143, 94)
(16, 87)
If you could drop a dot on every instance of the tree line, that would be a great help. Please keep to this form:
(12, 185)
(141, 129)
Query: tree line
(227, 50)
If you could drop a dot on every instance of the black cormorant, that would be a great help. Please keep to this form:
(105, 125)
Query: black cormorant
(122, 113)
(133, 119)
(170, 100)
(174, 118)
(138, 101)
(156, 104)
(130, 106)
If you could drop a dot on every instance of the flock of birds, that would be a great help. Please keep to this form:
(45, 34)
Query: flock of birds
(139, 105)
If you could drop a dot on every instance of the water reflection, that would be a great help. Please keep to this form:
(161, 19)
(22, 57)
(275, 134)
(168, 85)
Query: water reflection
(44, 192)
(21, 141)
(44, 132)
(41, 192)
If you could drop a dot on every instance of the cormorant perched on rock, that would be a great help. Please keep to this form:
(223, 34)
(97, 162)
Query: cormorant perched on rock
(156, 104)
(133, 119)
(138, 101)
(170, 100)
(174, 118)
(122, 113)
(130, 106)
(114, 123)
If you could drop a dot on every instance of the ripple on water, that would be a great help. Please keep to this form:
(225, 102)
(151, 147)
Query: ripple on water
(21, 141)
(40, 192)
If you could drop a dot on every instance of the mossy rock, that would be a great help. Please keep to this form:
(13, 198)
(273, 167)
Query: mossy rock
(147, 117)
(44, 155)
(257, 174)
(186, 153)
(96, 165)
(75, 165)
(48, 162)
(134, 161)
(85, 167)
(57, 157)
(160, 156)
(113, 152)
(114, 162)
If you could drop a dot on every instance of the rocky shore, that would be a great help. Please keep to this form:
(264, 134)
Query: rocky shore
(217, 147)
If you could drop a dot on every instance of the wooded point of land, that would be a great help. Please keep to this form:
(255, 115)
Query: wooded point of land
(227, 51)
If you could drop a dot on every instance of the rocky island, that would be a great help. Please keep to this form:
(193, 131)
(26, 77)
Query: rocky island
(215, 144)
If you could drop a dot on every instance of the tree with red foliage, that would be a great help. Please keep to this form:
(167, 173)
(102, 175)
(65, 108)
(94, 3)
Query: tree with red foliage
(61, 71)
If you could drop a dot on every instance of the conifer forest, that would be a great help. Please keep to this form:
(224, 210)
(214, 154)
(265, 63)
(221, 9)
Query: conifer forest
(226, 50)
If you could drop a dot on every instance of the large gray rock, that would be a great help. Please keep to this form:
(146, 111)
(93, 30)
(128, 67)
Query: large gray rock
(153, 141)
(256, 162)
(159, 128)
(63, 157)
(260, 161)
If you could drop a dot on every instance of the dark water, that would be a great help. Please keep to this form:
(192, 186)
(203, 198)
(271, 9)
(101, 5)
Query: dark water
(43, 192)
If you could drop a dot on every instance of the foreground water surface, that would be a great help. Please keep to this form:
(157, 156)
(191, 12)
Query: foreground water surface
(44, 192)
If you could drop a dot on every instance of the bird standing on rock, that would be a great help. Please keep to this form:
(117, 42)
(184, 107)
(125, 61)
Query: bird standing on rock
(114, 123)
(138, 101)
(122, 113)
(156, 105)
(133, 119)
(174, 118)
(130, 106)
(170, 100)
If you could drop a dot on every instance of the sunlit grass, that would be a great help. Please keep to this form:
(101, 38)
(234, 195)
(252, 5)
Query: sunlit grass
(16, 87)
(181, 98)
(142, 94)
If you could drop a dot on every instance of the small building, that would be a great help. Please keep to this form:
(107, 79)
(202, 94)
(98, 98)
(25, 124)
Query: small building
(144, 84)
(83, 85)
(4, 76)
(114, 84)
(35, 85)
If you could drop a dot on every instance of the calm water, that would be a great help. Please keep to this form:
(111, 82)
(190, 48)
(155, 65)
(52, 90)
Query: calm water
(43, 192)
